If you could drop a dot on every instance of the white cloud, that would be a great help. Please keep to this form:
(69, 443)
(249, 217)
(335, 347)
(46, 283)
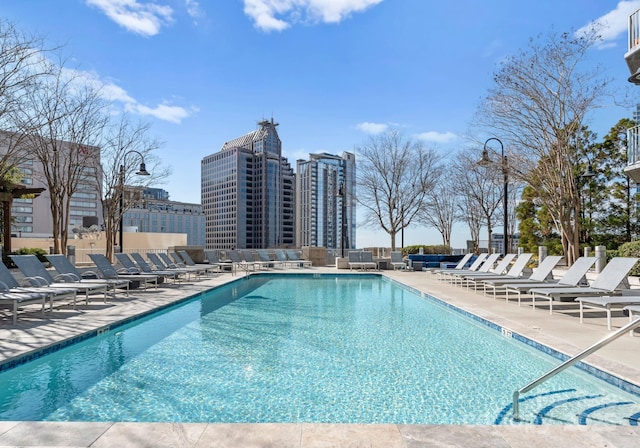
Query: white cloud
(133, 15)
(438, 137)
(614, 23)
(193, 8)
(278, 15)
(165, 112)
(372, 128)
(112, 92)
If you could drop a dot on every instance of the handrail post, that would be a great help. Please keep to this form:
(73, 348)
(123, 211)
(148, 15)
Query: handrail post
(569, 362)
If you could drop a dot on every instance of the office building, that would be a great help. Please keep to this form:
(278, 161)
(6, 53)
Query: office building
(31, 217)
(247, 191)
(152, 211)
(325, 198)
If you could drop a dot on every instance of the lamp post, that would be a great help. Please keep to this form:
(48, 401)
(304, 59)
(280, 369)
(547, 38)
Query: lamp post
(141, 172)
(486, 160)
(585, 177)
(343, 194)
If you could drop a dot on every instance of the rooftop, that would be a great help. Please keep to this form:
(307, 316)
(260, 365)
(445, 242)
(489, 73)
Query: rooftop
(561, 330)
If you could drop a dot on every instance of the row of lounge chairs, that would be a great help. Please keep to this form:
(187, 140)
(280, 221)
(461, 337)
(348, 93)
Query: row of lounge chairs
(363, 260)
(248, 260)
(41, 286)
(609, 290)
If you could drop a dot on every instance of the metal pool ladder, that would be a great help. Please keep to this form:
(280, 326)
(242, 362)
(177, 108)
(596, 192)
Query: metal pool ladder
(569, 362)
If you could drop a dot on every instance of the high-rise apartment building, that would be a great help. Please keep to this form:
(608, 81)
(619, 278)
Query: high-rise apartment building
(152, 211)
(248, 193)
(325, 198)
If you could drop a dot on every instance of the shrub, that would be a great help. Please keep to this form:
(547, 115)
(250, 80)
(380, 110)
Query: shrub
(40, 253)
(631, 249)
(436, 249)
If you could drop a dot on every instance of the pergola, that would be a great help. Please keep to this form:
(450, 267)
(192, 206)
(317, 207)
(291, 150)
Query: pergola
(7, 197)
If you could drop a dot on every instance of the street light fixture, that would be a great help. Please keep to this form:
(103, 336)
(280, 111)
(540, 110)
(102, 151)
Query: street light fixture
(141, 172)
(485, 160)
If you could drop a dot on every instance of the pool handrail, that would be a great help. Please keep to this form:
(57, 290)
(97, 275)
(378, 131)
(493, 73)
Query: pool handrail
(569, 362)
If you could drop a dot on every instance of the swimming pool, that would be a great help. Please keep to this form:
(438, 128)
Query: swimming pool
(306, 348)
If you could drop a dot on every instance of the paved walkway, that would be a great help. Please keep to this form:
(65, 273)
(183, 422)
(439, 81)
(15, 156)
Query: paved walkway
(561, 330)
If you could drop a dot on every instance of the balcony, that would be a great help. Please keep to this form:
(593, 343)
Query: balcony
(632, 57)
(633, 154)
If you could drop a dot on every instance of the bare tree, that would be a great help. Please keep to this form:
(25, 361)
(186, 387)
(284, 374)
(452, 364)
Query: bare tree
(481, 188)
(62, 126)
(441, 207)
(539, 104)
(124, 144)
(22, 69)
(394, 177)
(470, 214)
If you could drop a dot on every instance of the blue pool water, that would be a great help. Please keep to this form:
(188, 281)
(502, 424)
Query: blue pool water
(343, 349)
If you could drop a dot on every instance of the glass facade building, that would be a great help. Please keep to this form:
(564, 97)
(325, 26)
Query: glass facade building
(248, 193)
(325, 197)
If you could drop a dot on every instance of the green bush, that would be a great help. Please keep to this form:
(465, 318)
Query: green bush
(631, 249)
(40, 253)
(436, 249)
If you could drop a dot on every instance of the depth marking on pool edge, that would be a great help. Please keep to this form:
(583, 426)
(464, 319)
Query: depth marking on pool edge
(102, 330)
(506, 332)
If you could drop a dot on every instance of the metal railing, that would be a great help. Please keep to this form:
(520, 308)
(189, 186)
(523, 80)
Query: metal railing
(633, 145)
(568, 363)
(634, 29)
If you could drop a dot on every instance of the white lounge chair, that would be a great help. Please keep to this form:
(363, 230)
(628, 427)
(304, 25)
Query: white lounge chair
(366, 258)
(35, 272)
(449, 274)
(474, 278)
(64, 267)
(487, 265)
(574, 276)
(264, 257)
(250, 257)
(197, 268)
(461, 264)
(609, 282)
(142, 267)
(108, 271)
(628, 298)
(214, 260)
(539, 275)
(361, 260)
(16, 300)
(634, 313)
(237, 262)
(397, 262)
(294, 257)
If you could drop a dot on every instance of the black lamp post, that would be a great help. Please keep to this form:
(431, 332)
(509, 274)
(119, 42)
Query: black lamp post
(588, 174)
(486, 160)
(343, 233)
(141, 172)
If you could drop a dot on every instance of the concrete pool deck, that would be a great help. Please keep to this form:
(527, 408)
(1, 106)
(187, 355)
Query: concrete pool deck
(561, 330)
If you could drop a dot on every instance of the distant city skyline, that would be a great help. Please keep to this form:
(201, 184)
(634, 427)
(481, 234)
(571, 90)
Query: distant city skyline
(331, 73)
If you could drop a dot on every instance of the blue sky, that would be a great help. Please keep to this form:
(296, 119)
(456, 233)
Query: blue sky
(331, 72)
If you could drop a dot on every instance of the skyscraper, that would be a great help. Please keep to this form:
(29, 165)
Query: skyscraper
(247, 191)
(325, 198)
